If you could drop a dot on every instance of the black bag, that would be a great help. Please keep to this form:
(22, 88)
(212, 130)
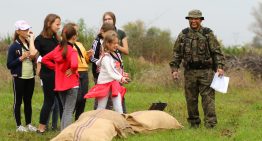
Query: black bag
(158, 106)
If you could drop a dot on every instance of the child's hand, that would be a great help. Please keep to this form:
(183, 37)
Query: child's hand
(31, 36)
(24, 55)
(127, 77)
(90, 52)
(124, 80)
(126, 74)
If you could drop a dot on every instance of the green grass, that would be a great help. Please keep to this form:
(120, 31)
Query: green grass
(239, 116)
(238, 111)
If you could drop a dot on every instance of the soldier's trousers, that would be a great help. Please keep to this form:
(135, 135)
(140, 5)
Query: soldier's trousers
(197, 82)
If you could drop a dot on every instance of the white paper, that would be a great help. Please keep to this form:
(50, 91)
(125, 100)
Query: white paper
(220, 84)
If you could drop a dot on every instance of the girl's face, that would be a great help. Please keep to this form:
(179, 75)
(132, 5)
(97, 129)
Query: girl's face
(23, 33)
(112, 46)
(108, 19)
(55, 26)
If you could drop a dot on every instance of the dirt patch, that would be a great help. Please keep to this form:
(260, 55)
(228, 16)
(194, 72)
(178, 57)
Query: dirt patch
(227, 132)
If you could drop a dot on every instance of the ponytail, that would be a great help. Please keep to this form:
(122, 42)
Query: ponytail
(63, 44)
(67, 33)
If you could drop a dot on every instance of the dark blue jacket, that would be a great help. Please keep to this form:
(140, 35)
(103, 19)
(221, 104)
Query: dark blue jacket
(96, 46)
(13, 62)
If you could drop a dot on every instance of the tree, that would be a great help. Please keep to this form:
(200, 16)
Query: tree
(153, 44)
(257, 26)
(135, 32)
(85, 35)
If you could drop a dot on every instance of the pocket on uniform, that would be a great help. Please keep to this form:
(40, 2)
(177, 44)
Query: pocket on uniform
(208, 77)
(202, 47)
(187, 46)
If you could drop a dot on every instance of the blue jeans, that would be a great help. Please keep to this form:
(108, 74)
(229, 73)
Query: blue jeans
(68, 99)
(54, 113)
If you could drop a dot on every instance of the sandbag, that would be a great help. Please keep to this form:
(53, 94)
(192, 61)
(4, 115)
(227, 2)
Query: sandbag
(88, 129)
(122, 126)
(144, 121)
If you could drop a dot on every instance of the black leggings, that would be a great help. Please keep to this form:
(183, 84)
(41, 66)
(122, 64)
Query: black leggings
(23, 90)
(49, 98)
(83, 88)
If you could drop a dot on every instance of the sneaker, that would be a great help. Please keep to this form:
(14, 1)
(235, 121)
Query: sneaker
(21, 129)
(31, 128)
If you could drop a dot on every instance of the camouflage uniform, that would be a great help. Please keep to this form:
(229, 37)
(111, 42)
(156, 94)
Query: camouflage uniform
(200, 54)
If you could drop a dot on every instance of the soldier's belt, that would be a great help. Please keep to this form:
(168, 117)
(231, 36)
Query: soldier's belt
(198, 66)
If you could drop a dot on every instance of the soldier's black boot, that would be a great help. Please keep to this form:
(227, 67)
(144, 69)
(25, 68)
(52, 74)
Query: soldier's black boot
(194, 125)
(209, 126)
(194, 122)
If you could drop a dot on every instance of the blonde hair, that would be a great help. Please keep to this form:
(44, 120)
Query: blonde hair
(109, 38)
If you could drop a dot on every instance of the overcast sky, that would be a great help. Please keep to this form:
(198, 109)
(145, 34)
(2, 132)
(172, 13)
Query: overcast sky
(230, 19)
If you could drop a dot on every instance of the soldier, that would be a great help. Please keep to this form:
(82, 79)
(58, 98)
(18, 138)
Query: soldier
(199, 51)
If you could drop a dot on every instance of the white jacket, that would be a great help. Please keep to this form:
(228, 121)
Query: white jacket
(108, 70)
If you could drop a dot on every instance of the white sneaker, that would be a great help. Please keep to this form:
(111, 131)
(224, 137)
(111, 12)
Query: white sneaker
(31, 128)
(21, 129)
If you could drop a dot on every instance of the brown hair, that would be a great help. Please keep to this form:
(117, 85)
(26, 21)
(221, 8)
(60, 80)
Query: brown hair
(106, 27)
(112, 15)
(49, 20)
(67, 33)
(16, 36)
(109, 38)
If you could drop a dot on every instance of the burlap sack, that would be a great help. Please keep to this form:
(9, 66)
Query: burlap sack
(143, 121)
(122, 126)
(88, 129)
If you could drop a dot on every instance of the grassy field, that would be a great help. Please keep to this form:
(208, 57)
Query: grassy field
(239, 116)
(239, 111)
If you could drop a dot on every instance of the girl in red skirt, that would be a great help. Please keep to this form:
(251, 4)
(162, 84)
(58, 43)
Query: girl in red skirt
(110, 75)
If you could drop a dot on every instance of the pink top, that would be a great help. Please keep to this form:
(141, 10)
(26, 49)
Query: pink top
(54, 60)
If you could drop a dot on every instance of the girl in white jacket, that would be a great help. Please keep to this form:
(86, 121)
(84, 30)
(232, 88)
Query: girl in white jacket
(111, 74)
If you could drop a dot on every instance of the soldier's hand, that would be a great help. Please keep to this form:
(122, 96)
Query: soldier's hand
(220, 72)
(175, 75)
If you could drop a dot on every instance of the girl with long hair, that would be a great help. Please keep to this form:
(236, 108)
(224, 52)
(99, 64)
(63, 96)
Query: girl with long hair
(21, 62)
(64, 61)
(45, 43)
